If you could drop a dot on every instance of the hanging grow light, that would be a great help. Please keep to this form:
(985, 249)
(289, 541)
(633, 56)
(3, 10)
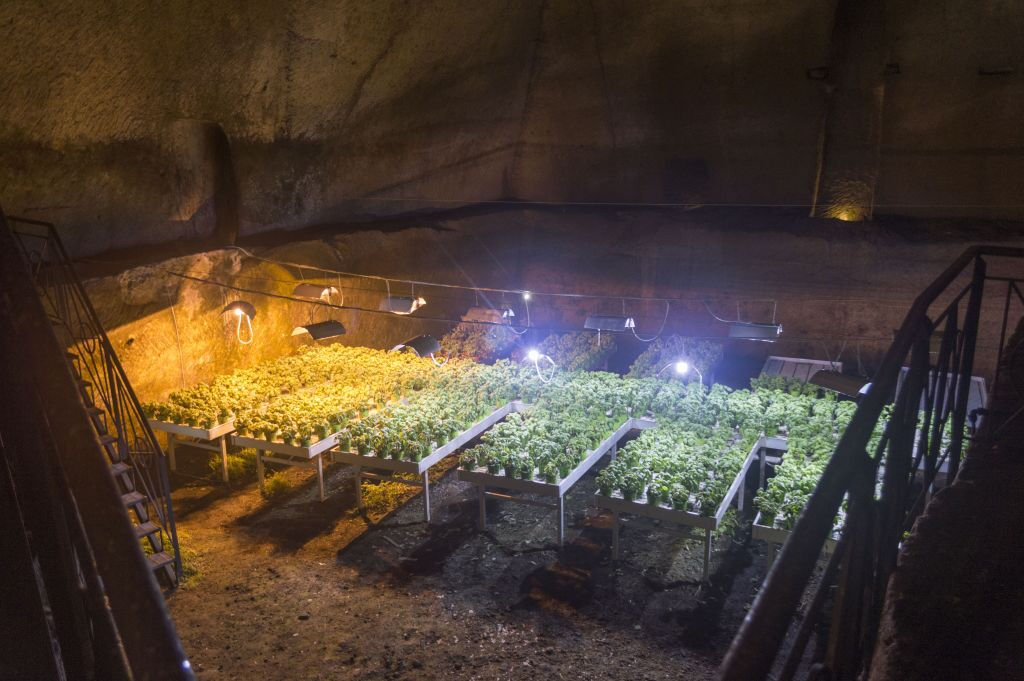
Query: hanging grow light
(507, 313)
(851, 386)
(681, 368)
(609, 323)
(402, 304)
(321, 330)
(752, 331)
(423, 346)
(242, 310)
(314, 291)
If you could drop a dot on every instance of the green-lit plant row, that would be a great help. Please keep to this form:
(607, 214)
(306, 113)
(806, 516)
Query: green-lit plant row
(572, 416)
(689, 462)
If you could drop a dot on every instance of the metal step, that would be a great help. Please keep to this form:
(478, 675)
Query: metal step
(119, 468)
(133, 499)
(146, 528)
(159, 560)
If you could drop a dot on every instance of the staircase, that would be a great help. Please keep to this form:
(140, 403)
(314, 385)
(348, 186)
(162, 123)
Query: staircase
(135, 459)
(135, 495)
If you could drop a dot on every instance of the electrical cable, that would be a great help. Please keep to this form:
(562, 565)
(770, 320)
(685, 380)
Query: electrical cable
(664, 320)
(238, 329)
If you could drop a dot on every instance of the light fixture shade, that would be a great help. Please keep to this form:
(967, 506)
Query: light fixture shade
(401, 304)
(314, 291)
(245, 307)
(507, 313)
(764, 332)
(321, 330)
(609, 323)
(851, 386)
(423, 346)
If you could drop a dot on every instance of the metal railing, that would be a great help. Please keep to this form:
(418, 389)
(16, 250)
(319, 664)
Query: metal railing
(108, 618)
(79, 330)
(885, 489)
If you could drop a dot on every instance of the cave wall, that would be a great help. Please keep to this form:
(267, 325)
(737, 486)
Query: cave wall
(337, 110)
(838, 298)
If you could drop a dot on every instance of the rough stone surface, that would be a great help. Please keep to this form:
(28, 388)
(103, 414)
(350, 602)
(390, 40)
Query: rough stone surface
(955, 607)
(838, 298)
(340, 109)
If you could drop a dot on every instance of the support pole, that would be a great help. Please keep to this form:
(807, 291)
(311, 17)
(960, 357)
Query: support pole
(224, 458)
(320, 475)
(615, 535)
(171, 458)
(707, 554)
(259, 469)
(358, 479)
(561, 521)
(426, 496)
(482, 495)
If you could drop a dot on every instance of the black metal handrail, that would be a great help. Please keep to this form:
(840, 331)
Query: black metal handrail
(109, 619)
(926, 426)
(83, 334)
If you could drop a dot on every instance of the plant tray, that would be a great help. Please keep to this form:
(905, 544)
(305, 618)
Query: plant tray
(770, 533)
(640, 507)
(182, 430)
(445, 450)
(481, 477)
(294, 451)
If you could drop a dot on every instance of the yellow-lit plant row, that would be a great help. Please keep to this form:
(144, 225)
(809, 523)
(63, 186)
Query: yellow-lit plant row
(305, 397)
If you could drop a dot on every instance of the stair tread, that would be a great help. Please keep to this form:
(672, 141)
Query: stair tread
(158, 560)
(119, 468)
(133, 498)
(148, 527)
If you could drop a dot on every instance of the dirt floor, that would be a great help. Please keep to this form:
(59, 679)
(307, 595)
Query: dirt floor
(295, 588)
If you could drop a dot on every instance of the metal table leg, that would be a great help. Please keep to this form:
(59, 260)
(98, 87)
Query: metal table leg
(320, 475)
(707, 554)
(259, 469)
(615, 535)
(171, 459)
(482, 494)
(224, 458)
(561, 521)
(740, 492)
(426, 496)
(358, 479)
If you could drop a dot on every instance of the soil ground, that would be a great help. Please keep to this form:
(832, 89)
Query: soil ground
(295, 588)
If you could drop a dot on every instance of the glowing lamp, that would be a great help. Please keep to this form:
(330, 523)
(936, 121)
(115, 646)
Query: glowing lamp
(752, 331)
(241, 309)
(321, 330)
(609, 323)
(402, 304)
(423, 346)
(526, 295)
(314, 291)
(681, 368)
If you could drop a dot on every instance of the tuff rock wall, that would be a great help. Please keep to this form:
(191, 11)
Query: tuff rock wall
(133, 122)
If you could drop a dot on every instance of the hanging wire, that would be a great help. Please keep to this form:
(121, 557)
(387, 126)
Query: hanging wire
(552, 329)
(238, 329)
(526, 302)
(536, 365)
(664, 320)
